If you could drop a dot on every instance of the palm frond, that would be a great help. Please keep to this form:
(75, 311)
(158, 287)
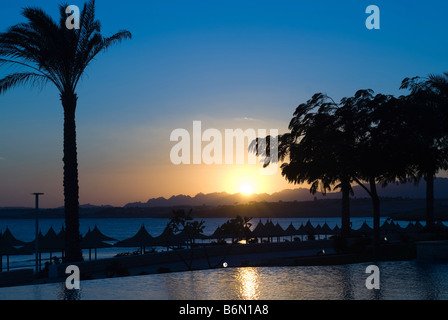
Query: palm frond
(53, 50)
(17, 79)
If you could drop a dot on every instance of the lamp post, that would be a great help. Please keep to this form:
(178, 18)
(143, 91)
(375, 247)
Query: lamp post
(36, 241)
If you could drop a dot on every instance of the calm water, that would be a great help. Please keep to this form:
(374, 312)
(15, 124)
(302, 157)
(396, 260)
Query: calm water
(120, 229)
(398, 280)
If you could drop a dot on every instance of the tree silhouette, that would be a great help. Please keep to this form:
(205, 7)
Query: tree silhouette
(366, 139)
(318, 150)
(426, 113)
(50, 52)
(380, 144)
(238, 228)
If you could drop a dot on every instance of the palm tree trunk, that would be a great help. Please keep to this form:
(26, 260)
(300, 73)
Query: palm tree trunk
(345, 225)
(376, 212)
(71, 188)
(429, 201)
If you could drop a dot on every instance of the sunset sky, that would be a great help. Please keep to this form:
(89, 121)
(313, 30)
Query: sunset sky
(230, 64)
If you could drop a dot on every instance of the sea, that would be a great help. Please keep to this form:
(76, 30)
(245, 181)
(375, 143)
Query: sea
(398, 280)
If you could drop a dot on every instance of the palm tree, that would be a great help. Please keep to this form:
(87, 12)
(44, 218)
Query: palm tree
(50, 52)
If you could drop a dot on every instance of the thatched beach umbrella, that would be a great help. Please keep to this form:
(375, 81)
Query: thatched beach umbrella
(51, 242)
(189, 234)
(336, 230)
(318, 230)
(388, 227)
(219, 233)
(309, 229)
(168, 238)
(409, 228)
(141, 239)
(258, 232)
(291, 231)
(94, 241)
(301, 230)
(398, 228)
(439, 226)
(98, 235)
(269, 230)
(326, 230)
(279, 232)
(7, 249)
(419, 227)
(8, 237)
(414, 227)
(365, 228)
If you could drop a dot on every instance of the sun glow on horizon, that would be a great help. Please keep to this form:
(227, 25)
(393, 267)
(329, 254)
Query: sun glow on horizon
(246, 189)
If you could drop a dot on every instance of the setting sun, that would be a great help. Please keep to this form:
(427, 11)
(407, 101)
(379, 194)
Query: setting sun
(246, 189)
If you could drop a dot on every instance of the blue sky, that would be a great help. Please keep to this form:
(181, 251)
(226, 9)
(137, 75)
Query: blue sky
(228, 63)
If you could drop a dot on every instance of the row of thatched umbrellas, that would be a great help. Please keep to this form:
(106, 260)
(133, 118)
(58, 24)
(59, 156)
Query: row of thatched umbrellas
(93, 239)
(49, 243)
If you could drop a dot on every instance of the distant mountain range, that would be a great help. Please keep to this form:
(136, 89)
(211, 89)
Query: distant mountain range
(405, 191)
(408, 190)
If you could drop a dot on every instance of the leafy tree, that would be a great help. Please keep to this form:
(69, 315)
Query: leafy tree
(182, 221)
(318, 150)
(427, 115)
(238, 228)
(379, 144)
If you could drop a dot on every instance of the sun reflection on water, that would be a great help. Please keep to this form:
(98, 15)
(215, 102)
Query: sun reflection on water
(247, 279)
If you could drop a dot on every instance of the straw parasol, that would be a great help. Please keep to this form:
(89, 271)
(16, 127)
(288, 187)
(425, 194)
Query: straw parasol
(219, 234)
(336, 229)
(318, 230)
(301, 230)
(94, 239)
(270, 230)
(141, 239)
(51, 242)
(365, 228)
(439, 226)
(7, 236)
(259, 231)
(7, 249)
(168, 238)
(291, 231)
(98, 235)
(279, 231)
(309, 229)
(389, 227)
(326, 230)
(419, 227)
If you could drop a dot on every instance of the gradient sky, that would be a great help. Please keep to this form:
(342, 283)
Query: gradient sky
(231, 64)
